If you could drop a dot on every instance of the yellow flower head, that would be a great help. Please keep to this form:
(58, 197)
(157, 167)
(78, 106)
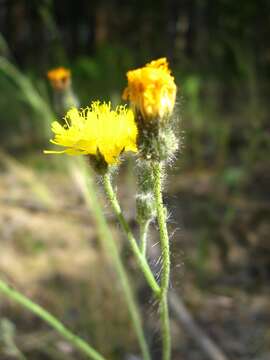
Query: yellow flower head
(97, 130)
(59, 78)
(151, 89)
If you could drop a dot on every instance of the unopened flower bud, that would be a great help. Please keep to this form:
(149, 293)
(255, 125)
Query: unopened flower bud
(59, 78)
(145, 207)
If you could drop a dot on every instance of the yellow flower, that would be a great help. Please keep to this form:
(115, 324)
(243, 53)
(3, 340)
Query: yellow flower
(97, 130)
(59, 78)
(151, 89)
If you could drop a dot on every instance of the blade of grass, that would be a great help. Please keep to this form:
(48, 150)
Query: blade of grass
(36, 309)
(29, 92)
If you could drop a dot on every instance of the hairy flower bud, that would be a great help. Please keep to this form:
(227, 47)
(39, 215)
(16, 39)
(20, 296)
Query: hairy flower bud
(145, 207)
(151, 91)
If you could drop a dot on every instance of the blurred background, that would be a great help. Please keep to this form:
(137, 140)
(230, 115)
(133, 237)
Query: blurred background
(217, 190)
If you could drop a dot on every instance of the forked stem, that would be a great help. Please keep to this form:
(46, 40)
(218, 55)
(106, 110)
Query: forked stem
(133, 243)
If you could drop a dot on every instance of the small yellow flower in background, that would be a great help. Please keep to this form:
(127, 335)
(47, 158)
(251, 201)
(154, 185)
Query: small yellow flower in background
(151, 89)
(97, 130)
(59, 78)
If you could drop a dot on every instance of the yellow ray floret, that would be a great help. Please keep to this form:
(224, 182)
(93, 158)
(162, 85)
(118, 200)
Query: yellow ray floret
(97, 130)
(151, 89)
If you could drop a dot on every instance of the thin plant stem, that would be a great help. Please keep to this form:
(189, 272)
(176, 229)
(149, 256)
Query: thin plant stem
(36, 309)
(93, 202)
(143, 236)
(165, 255)
(165, 327)
(125, 227)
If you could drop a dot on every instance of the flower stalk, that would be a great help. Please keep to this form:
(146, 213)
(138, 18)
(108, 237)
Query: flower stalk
(107, 241)
(165, 255)
(125, 227)
(151, 91)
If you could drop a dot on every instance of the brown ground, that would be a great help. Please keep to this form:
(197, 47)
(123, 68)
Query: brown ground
(220, 268)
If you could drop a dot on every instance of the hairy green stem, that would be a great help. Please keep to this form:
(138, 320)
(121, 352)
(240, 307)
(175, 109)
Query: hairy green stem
(78, 342)
(105, 235)
(143, 236)
(165, 255)
(165, 328)
(125, 227)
